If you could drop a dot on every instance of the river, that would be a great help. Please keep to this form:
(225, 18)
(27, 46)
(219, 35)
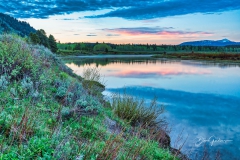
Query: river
(201, 99)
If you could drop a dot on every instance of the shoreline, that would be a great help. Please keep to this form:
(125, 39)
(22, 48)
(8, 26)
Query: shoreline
(109, 56)
(214, 58)
(154, 57)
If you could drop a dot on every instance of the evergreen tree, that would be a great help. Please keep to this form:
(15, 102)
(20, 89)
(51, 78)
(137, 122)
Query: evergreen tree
(52, 43)
(77, 47)
(43, 38)
(9, 24)
(34, 38)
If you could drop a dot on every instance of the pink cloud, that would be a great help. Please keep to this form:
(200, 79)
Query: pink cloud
(165, 31)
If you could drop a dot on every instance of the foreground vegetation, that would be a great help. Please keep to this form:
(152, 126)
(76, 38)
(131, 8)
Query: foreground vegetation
(48, 112)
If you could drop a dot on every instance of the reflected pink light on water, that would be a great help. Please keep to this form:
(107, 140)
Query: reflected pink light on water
(131, 73)
(137, 70)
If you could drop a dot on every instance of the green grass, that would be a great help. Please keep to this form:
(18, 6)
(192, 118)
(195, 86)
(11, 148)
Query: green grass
(47, 113)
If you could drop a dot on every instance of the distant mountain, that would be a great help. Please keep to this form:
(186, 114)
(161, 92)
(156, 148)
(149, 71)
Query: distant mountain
(9, 24)
(223, 42)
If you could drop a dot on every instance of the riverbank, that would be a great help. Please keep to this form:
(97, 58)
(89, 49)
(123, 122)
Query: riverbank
(49, 112)
(225, 58)
(213, 57)
(109, 56)
(91, 53)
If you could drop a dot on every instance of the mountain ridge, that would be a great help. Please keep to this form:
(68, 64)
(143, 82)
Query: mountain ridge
(221, 43)
(10, 24)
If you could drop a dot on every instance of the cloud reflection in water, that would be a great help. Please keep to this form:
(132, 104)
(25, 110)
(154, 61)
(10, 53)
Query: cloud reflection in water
(199, 114)
(162, 73)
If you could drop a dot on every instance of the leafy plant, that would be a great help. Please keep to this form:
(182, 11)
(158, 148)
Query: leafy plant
(3, 82)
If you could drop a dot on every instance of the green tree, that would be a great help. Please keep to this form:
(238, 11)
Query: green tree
(52, 43)
(102, 47)
(69, 47)
(77, 47)
(43, 38)
(34, 38)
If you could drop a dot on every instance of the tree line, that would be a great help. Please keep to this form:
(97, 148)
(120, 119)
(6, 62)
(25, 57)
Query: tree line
(143, 47)
(9, 24)
(40, 37)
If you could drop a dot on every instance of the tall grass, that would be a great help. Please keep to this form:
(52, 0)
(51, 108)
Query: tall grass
(135, 111)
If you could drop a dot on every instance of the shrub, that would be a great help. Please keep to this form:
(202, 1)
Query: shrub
(135, 111)
(15, 55)
(63, 75)
(93, 81)
(92, 74)
(3, 82)
(71, 93)
(27, 84)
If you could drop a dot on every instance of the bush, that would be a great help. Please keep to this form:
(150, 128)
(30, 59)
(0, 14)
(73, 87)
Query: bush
(15, 55)
(135, 111)
(3, 82)
(92, 74)
(93, 81)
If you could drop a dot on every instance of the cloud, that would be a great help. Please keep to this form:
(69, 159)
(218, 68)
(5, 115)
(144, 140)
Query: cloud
(159, 9)
(67, 19)
(91, 35)
(164, 31)
(112, 35)
(128, 9)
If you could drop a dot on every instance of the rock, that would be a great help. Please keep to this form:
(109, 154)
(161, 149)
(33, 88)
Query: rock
(112, 126)
(163, 138)
(164, 141)
(178, 154)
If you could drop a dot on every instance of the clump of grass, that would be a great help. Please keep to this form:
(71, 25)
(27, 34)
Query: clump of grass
(135, 111)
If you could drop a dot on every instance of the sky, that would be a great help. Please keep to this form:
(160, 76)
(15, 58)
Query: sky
(130, 21)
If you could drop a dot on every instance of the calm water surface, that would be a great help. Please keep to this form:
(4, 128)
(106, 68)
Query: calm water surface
(202, 99)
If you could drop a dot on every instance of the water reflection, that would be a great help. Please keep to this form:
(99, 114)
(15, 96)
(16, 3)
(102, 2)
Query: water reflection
(189, 76)
(164, 72)
(106, 61)
(103, 61)
(200, 115)
(202, 98)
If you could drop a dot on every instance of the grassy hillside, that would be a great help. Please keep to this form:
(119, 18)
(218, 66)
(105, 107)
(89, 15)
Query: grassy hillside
(47, 112)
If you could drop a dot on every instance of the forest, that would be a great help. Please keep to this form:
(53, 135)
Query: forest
(9, 24)
(98, 48)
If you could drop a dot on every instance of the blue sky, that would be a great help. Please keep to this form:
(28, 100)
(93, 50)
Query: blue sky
(130, 21)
